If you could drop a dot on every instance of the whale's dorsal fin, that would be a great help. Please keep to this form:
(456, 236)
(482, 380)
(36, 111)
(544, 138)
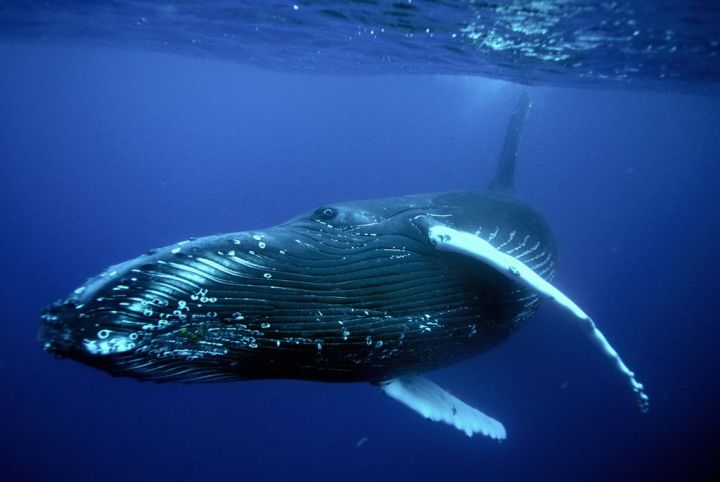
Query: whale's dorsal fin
(434, 403)
(504, 180)
(452, 240)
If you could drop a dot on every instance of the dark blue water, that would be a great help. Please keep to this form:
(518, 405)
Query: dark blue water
(105, 153)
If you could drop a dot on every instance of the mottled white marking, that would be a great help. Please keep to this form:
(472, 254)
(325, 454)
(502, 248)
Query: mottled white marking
(545, 261)
(190, 272)
(510, 238)
(536, 257)
(525, 253)
(246, 263)
(116, 345)
(494, 233)
(523, 243)
(434, 403)
(447, 239)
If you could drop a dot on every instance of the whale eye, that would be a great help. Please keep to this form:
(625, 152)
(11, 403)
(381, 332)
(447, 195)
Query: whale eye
(325, 213)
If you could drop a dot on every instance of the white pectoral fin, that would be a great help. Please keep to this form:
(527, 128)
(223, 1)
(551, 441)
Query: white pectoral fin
(434, 403)
(448, 239)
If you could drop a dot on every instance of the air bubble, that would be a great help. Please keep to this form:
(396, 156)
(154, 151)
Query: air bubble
(102, 334)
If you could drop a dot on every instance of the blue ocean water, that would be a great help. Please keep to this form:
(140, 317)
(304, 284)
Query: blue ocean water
(117, 137)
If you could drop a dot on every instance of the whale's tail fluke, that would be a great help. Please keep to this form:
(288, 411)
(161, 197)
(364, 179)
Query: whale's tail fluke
(504, 180)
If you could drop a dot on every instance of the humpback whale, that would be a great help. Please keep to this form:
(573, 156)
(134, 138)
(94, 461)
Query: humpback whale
(377, 291)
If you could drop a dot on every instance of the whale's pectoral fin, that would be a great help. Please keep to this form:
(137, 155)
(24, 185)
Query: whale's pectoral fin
(434, 403)
(448, 239)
